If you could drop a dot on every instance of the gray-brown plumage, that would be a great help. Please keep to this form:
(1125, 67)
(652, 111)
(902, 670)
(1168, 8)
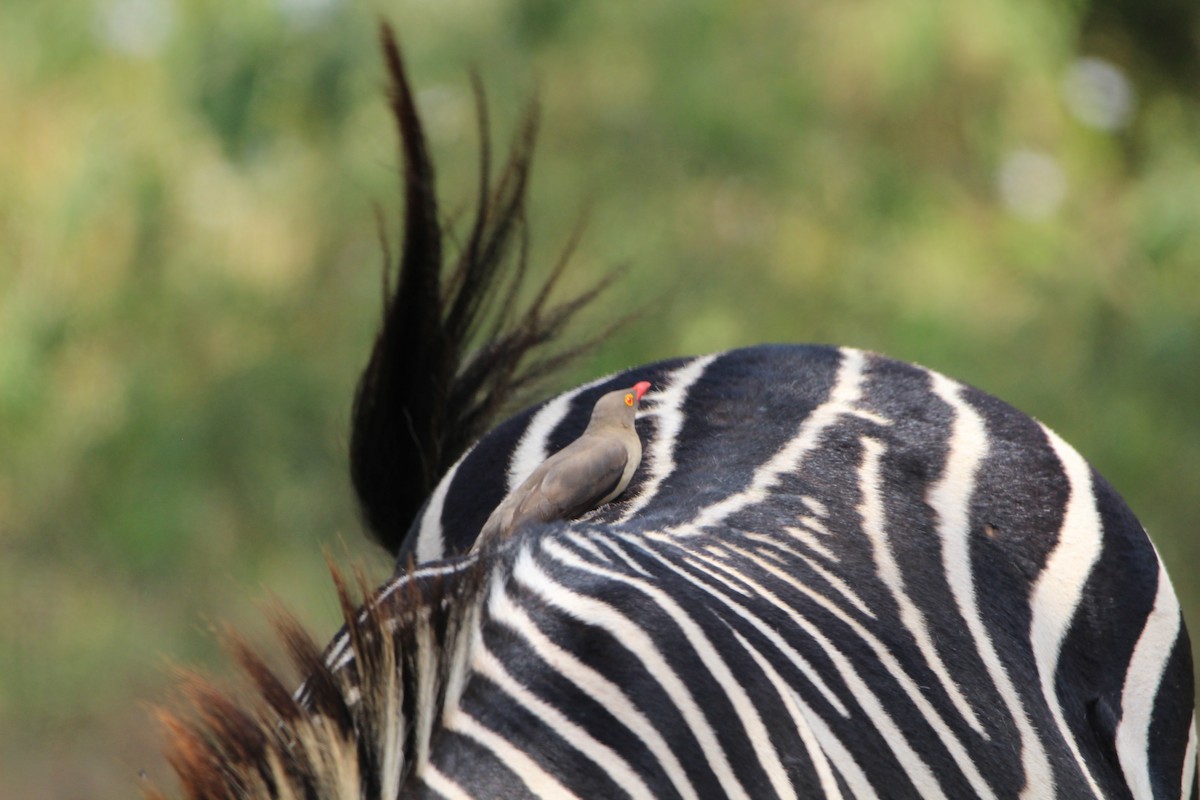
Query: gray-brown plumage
(587, 473)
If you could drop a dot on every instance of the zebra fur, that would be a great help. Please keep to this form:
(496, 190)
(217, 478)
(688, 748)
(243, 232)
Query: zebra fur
(921, 591)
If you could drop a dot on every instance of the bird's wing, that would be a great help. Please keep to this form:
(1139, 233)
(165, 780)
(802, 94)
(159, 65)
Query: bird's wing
(575, 480)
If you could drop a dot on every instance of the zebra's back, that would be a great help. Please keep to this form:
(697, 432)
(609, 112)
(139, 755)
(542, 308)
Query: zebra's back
(833, 574)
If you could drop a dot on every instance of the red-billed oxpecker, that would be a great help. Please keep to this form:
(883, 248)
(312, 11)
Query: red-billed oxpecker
(589, 472)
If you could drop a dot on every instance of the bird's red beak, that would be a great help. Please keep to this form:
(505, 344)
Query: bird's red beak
(640, 388)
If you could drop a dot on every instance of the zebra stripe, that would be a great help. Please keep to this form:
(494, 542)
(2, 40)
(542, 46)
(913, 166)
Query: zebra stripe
(839, 585)
(803, 534)
(950, 498)
(623, 628)
(441, 783)
(488, 666)
(431, 545)
(606, 692)
(536, 780)
(667, 410)
(1188, 783)
(917, 770)
(846, 392)
(1059, 589)
(885, 657)
(1142, 682)
(875, 526)
(534, 445)
(769, 633)
(799, 713)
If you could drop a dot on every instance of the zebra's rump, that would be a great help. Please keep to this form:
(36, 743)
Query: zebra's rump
(834, 574)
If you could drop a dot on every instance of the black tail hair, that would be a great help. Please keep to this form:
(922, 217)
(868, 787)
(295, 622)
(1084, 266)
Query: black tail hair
(422, 400)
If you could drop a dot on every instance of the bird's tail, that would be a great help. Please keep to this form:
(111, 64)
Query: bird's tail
(423, 399)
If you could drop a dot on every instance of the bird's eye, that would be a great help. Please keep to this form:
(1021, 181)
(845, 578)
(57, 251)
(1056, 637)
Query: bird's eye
(629, 399)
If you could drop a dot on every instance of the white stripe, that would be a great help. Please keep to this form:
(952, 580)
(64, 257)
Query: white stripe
(703, 647)
(774, 555)
(1143, 680)
(840, 586)
(591, 548)
(426, 571)
(910, 761)
(1056, 595)
(608, 760)
(539, 782)
(815, 506)
(843, 760)
(339, 653)
(870, 416)
(732, 585)
(426, 689)
(668, 412)
(431, 544)
(950, 499)
(815, 525)
(607, 694)
(604, 616)
(533, 447)
(914, 692)
(805, 536)
(437, 781)
(771, 543)
(468, 638)
(617, 550)
(799, 712)
(847, 390)
(1189, 763)
(769, 631)
(874, 525)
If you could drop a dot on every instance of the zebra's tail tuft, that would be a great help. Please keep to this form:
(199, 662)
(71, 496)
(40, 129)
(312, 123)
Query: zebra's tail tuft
(424, 397)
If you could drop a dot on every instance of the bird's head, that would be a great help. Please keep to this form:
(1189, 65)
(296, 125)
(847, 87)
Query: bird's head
(619, 406)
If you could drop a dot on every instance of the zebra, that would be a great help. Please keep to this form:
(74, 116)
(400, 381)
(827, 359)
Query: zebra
(833, 575)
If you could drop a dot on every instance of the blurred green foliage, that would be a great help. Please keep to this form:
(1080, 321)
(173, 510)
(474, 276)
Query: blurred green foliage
(189, 271)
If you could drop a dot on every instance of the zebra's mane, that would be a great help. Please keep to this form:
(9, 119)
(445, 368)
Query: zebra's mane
(368, 707)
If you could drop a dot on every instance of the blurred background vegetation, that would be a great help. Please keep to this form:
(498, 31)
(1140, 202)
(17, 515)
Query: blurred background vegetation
(1005, 190)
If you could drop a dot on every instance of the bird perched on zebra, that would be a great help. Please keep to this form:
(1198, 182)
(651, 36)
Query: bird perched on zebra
(589, 472)
(837, 575)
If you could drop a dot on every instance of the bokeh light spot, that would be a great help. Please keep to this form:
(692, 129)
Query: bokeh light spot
(1098, 94)
(1031, 184)
(135, 27)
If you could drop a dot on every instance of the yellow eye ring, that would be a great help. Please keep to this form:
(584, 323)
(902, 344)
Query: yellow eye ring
(628, 399)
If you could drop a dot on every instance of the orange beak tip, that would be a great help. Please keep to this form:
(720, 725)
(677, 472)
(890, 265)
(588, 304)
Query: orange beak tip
(640, 388)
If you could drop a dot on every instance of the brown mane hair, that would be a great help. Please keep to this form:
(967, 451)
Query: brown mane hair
(364, 714)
